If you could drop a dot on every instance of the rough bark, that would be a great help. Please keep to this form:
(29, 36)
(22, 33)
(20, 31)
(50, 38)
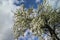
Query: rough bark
(52, 32)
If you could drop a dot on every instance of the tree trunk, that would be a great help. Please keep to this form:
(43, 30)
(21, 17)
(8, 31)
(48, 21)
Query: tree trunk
(52, 32)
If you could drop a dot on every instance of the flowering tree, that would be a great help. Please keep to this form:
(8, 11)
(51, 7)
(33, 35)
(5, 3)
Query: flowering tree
(42, 20)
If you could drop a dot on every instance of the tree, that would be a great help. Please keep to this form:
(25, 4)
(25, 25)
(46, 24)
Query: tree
(43, 20)
(51, 21)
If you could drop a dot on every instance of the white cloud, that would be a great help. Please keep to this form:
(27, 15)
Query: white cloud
(17, 2)
(37, 1)
(54, 3)
(22, 0)
(6, 18)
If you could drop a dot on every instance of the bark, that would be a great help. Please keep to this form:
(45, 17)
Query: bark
(52, 32)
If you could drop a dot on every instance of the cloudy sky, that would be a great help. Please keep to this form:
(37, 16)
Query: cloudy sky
(6, 14)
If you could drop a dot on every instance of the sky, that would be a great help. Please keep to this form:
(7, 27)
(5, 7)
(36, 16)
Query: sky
(28, 3)
(54, 3)
(6, 14)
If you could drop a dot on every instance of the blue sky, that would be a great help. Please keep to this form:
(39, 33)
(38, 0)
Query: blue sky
(34, 3)
(28, 3)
